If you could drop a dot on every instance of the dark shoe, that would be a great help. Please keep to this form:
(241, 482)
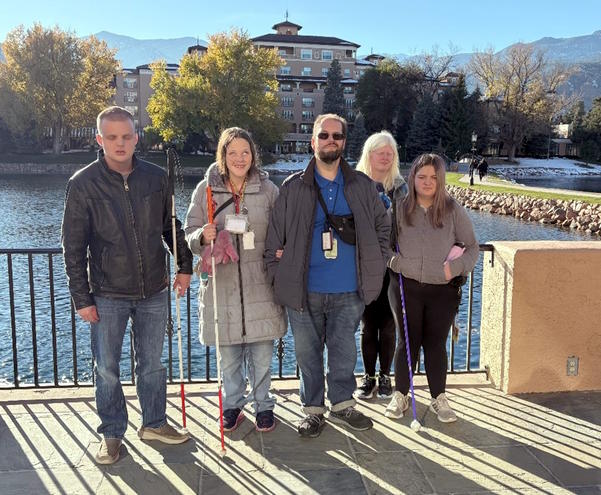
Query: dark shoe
(166, 434)
(384, 387)
(265, 421)
(366, 389)
(108, 453)
(352, 418)
(232, 418)
(311, 425)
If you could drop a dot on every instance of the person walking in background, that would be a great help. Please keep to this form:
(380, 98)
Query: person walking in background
(482, 168)
(380, 161)
(116, 223)
(326, 252)
(437, 248)
(249, 320)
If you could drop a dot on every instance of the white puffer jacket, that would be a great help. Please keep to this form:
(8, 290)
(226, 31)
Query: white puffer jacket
(246, 308)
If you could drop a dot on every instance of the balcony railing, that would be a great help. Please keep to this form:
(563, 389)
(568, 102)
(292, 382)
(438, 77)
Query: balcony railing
(50, 345)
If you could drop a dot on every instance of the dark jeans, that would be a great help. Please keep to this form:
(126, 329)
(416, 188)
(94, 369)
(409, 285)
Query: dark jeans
(378, 336)
(430, 312)
(329, 320)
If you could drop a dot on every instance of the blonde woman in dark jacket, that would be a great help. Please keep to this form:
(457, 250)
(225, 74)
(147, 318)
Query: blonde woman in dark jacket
(380, 161)
(249, 319)
(436, 244)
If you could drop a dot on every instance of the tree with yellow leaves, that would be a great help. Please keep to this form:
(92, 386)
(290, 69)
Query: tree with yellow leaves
(521, 89)
(232, 84)
(54, 79)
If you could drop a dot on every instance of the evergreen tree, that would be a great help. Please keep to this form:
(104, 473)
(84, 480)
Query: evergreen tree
(333, 101)
(455, 119)
(356, 138)
(424, 134)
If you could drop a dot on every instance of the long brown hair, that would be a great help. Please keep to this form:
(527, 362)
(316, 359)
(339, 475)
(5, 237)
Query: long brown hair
(442, 201)
(227, 136)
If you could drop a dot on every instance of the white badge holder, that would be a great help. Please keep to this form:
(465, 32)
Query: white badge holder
(236, 224)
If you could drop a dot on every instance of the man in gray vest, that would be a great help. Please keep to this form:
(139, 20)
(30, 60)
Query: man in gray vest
(326, 252)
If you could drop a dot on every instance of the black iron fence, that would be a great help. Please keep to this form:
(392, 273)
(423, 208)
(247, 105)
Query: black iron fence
(45, 344)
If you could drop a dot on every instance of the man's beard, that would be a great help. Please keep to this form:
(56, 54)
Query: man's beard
(329, 157)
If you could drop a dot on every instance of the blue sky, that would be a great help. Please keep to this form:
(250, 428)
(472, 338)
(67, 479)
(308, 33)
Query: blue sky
(385, 26)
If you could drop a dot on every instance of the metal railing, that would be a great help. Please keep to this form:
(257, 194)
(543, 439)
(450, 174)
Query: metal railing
(28, 335)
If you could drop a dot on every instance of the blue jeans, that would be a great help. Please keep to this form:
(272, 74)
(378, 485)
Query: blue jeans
(149, 320)
(330, 320)
(255, 360)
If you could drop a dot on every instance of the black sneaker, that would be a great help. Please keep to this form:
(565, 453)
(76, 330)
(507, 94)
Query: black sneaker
(366, 389)
(265, 421)
(352, 418)
(384, 386)
(311, 425)
(232, 418)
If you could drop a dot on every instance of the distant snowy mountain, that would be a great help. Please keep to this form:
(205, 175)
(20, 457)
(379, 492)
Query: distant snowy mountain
(133, 52)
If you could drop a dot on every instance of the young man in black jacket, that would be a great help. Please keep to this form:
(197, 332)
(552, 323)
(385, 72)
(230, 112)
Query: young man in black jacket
(116, 222)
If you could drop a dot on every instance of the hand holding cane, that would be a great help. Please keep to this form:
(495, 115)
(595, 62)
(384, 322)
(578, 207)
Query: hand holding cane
(210, 213)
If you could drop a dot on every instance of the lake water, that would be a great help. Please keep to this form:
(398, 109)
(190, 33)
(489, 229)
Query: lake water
(576, 183)
(30, 217)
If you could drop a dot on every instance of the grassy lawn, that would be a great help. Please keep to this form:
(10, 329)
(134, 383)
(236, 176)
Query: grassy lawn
(453, 180)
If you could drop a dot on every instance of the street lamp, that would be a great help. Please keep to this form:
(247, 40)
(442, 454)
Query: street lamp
(474, 139)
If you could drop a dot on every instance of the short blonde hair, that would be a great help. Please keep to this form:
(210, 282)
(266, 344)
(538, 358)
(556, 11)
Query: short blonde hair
(114, 113)
(374, 142)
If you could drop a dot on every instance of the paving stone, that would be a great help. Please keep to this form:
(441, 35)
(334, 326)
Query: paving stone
(304, 482)
(158, 478)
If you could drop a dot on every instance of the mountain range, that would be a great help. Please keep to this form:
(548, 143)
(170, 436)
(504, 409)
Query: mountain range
(583, 51)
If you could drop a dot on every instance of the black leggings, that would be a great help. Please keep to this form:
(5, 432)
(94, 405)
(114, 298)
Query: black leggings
(430, 313)
(377, 333)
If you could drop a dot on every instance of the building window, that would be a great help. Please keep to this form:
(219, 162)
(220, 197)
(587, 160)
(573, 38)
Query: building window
(327, 55)
(282, 53)
(347, 72)
(306, 71)
(288, 114)
(324, 71)
(349, 54)
(308, 103)
(130, 83)
(306, 129)
(350, 115)
(349, 103)
(287, 101)
(306, 54)
(133, 109)
(308, 115)
(130, 97)
(285, 87)
(347, 90)
(285, 70)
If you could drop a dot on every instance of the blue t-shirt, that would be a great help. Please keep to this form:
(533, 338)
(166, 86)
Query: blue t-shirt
(331, 276)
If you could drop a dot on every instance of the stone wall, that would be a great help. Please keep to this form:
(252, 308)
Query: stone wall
(574, 214)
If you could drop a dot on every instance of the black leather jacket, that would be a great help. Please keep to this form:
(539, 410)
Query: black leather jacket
(114, 233)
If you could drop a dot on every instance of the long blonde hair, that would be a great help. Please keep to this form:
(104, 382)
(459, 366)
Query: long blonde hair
(374, 142)
(442, 201)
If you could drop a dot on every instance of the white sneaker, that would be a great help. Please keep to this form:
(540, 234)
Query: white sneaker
(398, 404)
(443, 410)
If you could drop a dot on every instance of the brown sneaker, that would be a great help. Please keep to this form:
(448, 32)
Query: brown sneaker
(165, 434)
(108, 453)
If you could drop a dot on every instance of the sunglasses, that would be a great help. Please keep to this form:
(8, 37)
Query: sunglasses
(336, 136)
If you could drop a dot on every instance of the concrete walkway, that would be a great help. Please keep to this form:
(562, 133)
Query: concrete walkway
(548, 443)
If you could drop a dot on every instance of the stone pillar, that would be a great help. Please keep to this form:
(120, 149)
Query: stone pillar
(541, 304)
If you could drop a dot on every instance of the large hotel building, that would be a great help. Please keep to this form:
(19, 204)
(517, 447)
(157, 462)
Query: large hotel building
(301, 79)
